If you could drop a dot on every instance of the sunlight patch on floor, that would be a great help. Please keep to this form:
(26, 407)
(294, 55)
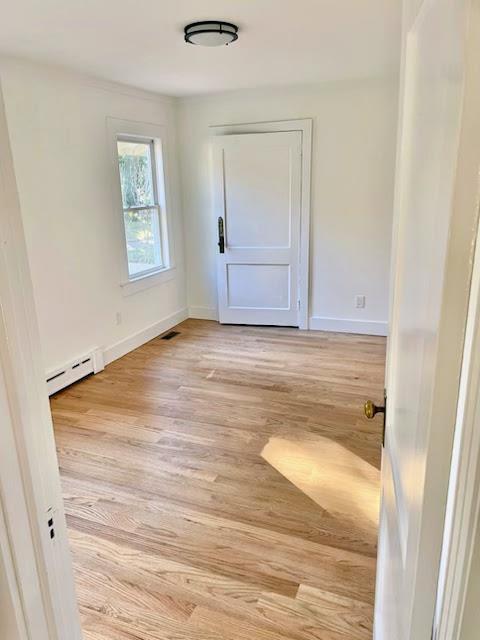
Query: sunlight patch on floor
(338, 480)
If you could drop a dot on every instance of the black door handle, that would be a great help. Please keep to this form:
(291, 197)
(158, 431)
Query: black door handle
(221, 236)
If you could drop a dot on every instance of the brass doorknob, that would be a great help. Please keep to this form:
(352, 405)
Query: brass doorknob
(371, 409)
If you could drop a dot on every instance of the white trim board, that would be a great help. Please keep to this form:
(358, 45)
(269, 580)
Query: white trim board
(130, 343)
(305, 126)
(463, 506)
(341, 325)
(136, 340)
(29, 465)
(316, 323)
(100, 358)
(11, 607)
(163, 175)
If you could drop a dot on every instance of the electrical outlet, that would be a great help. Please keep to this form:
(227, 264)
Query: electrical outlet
(118, 318)
(360, 302)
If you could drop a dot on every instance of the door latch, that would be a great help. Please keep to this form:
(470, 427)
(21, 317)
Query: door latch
(370, 409)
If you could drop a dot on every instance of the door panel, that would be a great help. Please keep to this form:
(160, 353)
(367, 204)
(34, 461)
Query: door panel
(257, 192)
(423, 326)
(257, 183)
(272, 286)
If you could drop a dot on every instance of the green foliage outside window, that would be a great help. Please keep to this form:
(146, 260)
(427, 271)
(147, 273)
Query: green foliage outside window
(136, 179)
(140, 236)
(137, 191)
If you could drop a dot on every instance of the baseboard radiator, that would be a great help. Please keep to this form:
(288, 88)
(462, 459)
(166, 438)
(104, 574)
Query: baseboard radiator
(79, 368)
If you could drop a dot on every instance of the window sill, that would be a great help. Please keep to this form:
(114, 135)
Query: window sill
(147, 281)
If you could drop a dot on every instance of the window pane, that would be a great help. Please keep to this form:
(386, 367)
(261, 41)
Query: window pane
(135, 162)
(143, 241)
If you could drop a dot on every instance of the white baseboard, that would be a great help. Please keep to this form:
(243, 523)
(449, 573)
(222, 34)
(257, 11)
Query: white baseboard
(126, 345)
(364, 327)
(203, 313)
(121, 348)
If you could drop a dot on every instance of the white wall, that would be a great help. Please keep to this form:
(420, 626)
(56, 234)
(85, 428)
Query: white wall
(58, 132)
(354, 141)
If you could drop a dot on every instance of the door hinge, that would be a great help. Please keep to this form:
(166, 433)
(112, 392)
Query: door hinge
(298, 305)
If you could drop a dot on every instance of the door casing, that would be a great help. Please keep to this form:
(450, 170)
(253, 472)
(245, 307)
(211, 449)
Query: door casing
(30, 493)
(259, 253)
(305, 126)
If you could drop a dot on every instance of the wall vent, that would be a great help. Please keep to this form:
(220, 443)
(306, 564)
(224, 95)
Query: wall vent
(76, 370)
(170, 335)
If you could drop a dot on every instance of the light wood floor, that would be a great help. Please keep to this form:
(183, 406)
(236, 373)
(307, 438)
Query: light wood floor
(224, 485)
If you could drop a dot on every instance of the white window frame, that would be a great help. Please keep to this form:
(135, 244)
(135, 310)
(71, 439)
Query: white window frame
(156, 135)
(152, 207)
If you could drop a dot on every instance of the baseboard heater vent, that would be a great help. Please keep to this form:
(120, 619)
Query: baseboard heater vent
(80, 368)
(170, 335)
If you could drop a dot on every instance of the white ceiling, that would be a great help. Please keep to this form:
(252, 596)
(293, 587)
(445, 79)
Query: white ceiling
(140, 42)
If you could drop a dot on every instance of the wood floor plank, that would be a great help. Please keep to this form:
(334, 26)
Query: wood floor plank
(260, 556)
(182, 581)
(224, 485)
(225, 626)
(275, 510)
(152, 546)
(319, 612)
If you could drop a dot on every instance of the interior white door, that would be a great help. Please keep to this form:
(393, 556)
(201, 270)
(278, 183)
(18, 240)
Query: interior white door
(428, 312)
(257, 186)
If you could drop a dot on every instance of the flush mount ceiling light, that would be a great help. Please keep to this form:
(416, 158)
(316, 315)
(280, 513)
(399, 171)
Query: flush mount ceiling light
(211, 33)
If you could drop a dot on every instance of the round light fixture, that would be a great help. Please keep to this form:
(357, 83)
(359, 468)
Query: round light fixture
(211, 33)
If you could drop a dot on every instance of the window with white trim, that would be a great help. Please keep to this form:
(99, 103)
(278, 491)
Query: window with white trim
(143, 218)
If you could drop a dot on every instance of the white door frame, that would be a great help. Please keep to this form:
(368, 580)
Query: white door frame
(12, 620)
(305, 126)
(30, 492)
(463, 506)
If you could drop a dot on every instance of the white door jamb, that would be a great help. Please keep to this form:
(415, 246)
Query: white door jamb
(463, 505)
(29, 480)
